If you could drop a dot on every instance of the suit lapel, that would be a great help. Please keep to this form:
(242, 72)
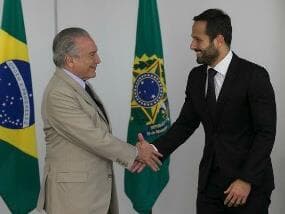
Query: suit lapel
(225, 92)
(201, 88)
(74, 85)
(99, 101)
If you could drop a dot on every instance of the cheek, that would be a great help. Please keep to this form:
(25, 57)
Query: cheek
(203, 48)
(90, 61)
(200, 46)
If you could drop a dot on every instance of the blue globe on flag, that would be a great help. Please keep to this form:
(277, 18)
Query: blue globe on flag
(16, 95)
(148, 89)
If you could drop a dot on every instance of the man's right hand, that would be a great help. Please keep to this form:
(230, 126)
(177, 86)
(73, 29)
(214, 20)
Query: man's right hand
(147, 154)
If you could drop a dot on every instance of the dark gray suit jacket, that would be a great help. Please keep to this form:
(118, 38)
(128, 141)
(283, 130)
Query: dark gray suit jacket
(242, 133)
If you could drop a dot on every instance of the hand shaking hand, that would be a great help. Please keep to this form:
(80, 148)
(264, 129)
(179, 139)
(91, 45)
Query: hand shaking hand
(146, 155)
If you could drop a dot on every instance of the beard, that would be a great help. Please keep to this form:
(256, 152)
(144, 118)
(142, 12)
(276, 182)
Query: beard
(208, 56)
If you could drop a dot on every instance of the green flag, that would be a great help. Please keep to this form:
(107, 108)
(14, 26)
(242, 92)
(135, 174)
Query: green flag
(149, 106)
(19, 180)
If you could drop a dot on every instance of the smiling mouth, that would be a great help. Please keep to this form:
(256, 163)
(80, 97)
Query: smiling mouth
(198, 53)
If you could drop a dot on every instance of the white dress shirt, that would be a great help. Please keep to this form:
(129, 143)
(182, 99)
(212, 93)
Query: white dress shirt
(221, 68)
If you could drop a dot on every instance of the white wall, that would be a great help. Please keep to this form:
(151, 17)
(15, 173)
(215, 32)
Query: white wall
(258, 26)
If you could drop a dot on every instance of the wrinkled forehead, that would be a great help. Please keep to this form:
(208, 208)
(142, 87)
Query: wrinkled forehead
(85, 43)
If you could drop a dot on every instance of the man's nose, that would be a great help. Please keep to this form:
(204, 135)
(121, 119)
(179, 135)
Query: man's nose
(97, 59)
(193, 45)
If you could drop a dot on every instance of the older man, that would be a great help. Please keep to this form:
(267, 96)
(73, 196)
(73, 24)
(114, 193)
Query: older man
(80, 149)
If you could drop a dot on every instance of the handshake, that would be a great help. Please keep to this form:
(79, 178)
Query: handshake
(147, 155)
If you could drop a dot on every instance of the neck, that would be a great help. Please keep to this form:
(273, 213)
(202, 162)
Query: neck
(222, 54)
(72, 71)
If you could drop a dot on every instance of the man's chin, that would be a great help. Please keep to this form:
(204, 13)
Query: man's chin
(199, 60)
(93, 74)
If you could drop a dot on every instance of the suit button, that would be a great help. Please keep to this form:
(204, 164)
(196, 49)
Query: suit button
(110, 176)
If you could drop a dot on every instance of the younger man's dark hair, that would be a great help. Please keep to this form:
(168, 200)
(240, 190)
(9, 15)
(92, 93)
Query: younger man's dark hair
(218, 22)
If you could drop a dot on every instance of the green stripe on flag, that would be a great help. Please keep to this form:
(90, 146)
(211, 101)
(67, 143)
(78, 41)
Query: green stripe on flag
(148, 38)
(149, 106)
(19, 181)
(14, 26)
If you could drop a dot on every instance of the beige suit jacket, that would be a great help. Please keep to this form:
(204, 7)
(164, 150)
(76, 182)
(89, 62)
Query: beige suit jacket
(80, 149)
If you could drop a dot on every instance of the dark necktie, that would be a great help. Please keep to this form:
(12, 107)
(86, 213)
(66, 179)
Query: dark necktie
(99, 104)
(211, 96)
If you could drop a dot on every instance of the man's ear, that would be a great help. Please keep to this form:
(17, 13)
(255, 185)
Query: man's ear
(220, 41)
(68, 61)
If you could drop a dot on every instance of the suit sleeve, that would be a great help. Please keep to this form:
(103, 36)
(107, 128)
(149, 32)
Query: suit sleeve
(68, 118)
(263, 114)
(186, 123)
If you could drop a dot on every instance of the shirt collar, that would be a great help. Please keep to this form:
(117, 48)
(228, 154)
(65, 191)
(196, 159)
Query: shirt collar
(222, 66)
(75, 78)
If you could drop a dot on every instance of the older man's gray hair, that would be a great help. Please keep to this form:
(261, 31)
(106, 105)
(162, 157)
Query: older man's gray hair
(64, 44)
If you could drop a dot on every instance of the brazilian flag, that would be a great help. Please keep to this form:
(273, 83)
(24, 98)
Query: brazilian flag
(149, 106)
(19, 179)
